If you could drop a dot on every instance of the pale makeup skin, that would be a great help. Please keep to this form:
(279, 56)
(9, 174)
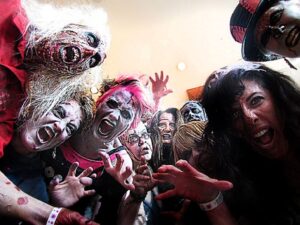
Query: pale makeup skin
(138, 142)
(166, 126)
(193, 112)
(256, 119)
(278, 29)
(50, 130)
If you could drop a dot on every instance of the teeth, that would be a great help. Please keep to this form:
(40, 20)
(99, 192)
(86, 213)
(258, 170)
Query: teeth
(260, 133)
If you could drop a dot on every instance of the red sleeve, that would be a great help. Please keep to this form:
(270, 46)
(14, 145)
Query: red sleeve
(11, 97)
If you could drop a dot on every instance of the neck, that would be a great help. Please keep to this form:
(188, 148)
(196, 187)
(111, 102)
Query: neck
(85, 145)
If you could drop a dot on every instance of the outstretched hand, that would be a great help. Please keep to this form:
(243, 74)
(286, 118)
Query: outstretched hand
(68, 192)
(68, 217)
(189, 183)
(143, 180)
(159, 86)
(116, 171)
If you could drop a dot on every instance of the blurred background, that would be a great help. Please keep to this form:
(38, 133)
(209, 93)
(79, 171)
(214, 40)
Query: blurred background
(187, 39)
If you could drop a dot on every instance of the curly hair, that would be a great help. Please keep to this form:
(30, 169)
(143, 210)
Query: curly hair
(188, 137)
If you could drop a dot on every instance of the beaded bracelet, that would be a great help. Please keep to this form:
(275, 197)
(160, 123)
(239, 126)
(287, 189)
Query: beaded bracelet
(53, 215)
(212, 204)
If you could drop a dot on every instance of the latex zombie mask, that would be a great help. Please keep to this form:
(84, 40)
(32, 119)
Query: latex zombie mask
(193, 111)
(166, 126)
(71, 51)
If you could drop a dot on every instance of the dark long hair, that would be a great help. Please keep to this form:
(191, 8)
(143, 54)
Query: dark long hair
(157, 156)
(230, 157)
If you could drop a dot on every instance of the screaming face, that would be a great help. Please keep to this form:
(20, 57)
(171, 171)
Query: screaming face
(114, 115)
(166, 127)
(257, 121)
(72, 50)
(278, 30)
(138, 142)
(193, 112)
(51, 130)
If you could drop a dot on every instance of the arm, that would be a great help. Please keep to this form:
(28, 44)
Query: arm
(15, 203)
(196, 186)
(131, 209)
(159, 87)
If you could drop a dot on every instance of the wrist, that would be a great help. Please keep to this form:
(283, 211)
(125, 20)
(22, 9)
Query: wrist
(137, 197)
(208, 206)
(53, 216)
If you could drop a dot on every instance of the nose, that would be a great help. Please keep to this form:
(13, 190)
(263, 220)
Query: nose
(141, 141)
(59, 127)
(89, 51)
(250, 115)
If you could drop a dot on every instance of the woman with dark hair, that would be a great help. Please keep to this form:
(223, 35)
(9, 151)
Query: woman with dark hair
(251, 139)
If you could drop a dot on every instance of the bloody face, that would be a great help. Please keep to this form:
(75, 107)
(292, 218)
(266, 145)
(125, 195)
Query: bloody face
(166, 126)
(114, 115)
(51, 130)
(193, 112)
(138, 141)
(256, 119)
(72, 50)
(278, 30)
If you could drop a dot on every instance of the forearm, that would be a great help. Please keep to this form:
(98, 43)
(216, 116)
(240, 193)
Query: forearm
(129, 210)
(221, 216)
(15, 203)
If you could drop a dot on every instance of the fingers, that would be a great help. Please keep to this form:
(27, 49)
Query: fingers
(168, 169)
(223, 185)
(141, 169)
(120, 162)
(156, 76)
(151, 80)
(161, 75)
(164, 177)
(105, 158)
(89, 192)
(72, 169)
(86, 172)
(167, 194)
(86, 181)
(187, 168)
(55, 181)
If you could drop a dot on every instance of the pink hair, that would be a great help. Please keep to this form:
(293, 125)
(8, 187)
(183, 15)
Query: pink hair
(141, 96)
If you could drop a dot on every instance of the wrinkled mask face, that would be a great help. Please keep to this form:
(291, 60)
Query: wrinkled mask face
(193, 112)
(72, 51)
(138, 142)
(114, 116)
(52, 129)
(166, 127)
(278, 29)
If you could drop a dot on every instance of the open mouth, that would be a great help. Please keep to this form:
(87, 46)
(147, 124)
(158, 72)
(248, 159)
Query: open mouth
(70, 54)
(166, 136)
(106, 127)
(45, 134)
(264, 137)
(293, 37)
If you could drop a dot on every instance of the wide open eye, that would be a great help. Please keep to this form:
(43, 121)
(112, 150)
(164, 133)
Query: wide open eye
(92, 40)
(126, 114)
(59, 112)
(275, 17)
(71, 129)
(94, 61)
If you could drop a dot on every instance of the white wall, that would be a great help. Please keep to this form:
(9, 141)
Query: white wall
(153, 35)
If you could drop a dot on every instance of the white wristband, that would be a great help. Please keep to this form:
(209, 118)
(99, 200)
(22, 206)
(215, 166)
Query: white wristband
(212, 204)
(53, 215)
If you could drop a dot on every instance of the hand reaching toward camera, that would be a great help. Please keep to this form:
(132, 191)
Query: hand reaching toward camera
(68, 192)
(189, 183)
(121, 171)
